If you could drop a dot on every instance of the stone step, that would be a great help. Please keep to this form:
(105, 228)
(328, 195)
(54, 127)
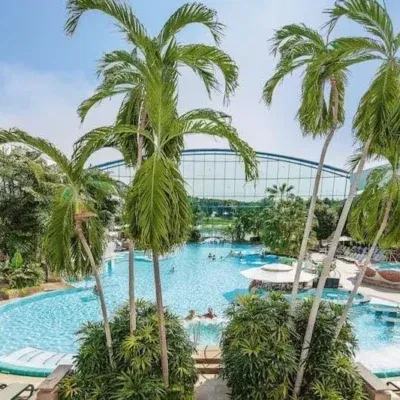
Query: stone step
(209, 369)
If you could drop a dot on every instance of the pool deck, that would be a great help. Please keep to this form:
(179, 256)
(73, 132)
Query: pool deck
(348, 273)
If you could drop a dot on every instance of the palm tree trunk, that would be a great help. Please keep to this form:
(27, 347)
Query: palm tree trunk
(99, 289)
(161, 322)
(310, 217)
(326, 270)
(131, 267)
(367, 261)
(131, 270)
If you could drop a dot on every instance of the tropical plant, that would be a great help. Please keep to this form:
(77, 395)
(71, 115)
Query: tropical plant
(373, 116)
(374, 217)
(75, 236)
(18, 275)
(260, 348)
(321, 111)
(283, 226)
(137, 373)
(327, 218)
(124, 72)
(26, 182)
(157, 203)
(282, 192)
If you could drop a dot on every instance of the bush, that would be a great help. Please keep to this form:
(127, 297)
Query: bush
(138, 367)
(18, 275)
(194, 236)
(261, 347)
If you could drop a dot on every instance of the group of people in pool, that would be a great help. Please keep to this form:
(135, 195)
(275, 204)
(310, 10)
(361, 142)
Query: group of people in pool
(213, 257)
(209, 315)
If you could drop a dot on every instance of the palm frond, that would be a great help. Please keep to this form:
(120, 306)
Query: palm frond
(120, 11)
(158, 209)
(16, 135)
(376, 107)
(191, 13)
(203, 60)
(285, 67)
(291, 36)
(368, 13)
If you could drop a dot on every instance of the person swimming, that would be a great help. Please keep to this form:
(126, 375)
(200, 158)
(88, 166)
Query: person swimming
(213, 257)
(209, 314)
(95, 290)
(172, 270)
(209, 255)
(192, 315)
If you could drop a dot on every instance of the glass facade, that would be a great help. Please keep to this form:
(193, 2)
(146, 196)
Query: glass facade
(219, 174)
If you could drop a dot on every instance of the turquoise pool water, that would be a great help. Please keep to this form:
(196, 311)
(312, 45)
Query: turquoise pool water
(388, 266)
(50, 321)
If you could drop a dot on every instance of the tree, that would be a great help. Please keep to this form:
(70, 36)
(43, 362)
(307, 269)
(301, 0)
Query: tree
(282, 226)
(327, 218)
(282, 192)
(374, 218)
(137, 374)
(124, 72)
(373, 116)
(158, 209)
(75, 236)
(319, 114)
(27, 184)
(260, 346)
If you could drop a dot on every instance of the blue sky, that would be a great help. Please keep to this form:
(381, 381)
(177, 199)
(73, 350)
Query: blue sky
(44, 74)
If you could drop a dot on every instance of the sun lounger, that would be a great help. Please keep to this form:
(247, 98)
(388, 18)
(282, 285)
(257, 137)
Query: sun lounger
(14, 390)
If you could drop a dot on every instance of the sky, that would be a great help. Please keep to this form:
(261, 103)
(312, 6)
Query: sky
(44, 74)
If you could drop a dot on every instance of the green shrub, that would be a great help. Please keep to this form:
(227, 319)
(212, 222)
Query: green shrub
(194, 236)
(261, 347)
(138, 368)
(18, 275)
(286, 260)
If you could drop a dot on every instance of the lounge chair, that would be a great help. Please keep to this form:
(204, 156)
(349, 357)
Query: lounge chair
(14, 390)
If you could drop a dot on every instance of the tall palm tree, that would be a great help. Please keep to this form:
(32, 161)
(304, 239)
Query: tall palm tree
(302, 47)
(158, 208)
(372, 117)
(375, 215)
(122, 72)
(75, 236)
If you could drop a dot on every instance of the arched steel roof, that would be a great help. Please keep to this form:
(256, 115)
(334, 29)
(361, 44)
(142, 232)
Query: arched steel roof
(260, 155)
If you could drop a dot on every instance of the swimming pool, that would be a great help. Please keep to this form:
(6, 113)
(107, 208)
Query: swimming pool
(50, 321)
(387, 266)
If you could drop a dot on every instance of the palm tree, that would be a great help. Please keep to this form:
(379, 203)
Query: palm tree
(372, 117)
(123, 73)
(75, 236)
(302, 47)
(374, 218)
(158, 208)
(279, 193)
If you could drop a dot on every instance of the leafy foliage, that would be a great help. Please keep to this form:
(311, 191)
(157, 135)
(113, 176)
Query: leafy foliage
(78, 191)
(327, 218)
(283, 226)
(261, 345)
(19, 275)
(138, 372)
(382, 186)
(27, 185)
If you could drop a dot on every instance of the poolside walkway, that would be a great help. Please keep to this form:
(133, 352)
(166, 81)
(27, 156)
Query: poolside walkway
(348, 273)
